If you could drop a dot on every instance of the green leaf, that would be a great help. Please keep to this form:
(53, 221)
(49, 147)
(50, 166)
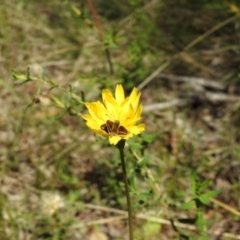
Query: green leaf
(58, 102)
(17, 76)
(205, 198)
(149, 137)
(194, 182)
(82, 96)
(189, 204)
(204, 184)
(146, 195)
(143, 161)
(136, 145)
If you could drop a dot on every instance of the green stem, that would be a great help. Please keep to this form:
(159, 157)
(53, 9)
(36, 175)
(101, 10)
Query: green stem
(120, 146)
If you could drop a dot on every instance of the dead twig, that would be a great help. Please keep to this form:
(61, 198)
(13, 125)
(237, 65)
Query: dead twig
(165, 105)
(156, 73)
(199, 96)
(194, 80)
(220, 97)
(225, 206)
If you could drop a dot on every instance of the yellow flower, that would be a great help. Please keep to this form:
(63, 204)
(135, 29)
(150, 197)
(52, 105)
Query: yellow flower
(115, 118)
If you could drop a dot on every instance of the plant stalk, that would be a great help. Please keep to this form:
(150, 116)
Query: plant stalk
(120, 146)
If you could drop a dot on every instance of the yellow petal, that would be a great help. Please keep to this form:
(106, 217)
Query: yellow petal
(137, 129)
(119, 94)
(91, 123)
(86, 116)
(97, 110)
(134, 97)
(139, 111)
(110, 104)
(106, 94)
(141, 127)
(114, 139)
(98, 132)
(129, 135)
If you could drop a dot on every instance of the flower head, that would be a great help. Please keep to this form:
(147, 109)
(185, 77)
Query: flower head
(117, 116)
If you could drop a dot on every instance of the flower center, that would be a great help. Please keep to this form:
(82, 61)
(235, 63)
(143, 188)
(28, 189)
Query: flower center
(114, 128)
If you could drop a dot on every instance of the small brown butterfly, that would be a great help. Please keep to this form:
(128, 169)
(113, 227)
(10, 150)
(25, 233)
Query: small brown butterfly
(113, 128)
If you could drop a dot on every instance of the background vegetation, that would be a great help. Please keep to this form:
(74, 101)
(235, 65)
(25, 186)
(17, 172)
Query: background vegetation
(58, 180)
